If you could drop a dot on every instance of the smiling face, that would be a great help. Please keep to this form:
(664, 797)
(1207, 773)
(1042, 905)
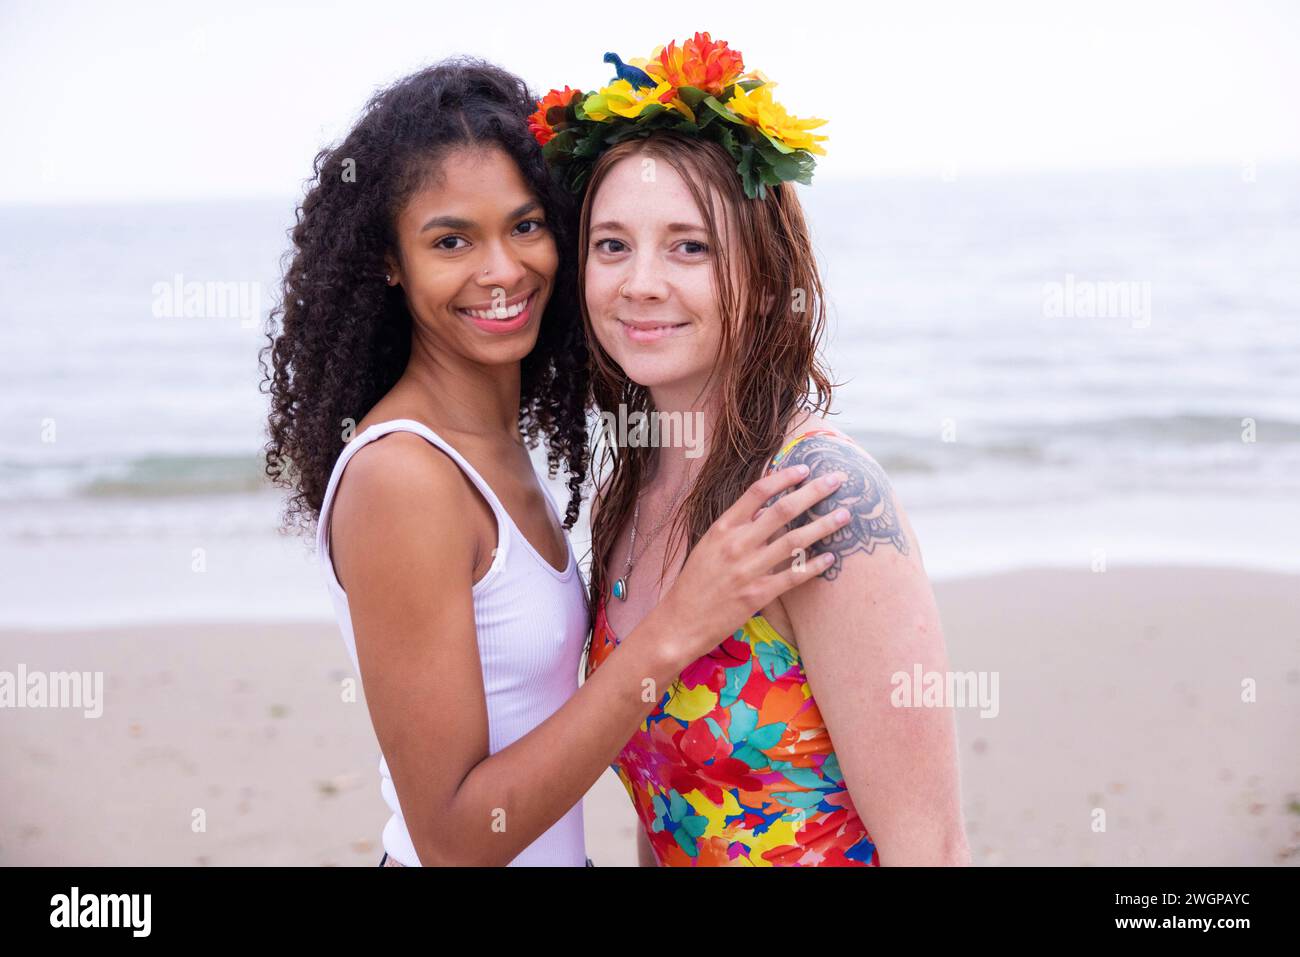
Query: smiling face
(649, 282)
(475, 258)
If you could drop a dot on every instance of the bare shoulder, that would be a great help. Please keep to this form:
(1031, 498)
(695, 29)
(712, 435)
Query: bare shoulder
(400, 467)
(878, 522)
(398, 484)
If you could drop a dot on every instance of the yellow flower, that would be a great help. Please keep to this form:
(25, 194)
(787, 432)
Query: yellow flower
(621, 98)
(758, 107)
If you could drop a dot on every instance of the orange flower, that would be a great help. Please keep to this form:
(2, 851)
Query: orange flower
(699, 62)
(539, 123)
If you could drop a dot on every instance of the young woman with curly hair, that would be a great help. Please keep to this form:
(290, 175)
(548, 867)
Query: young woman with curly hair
(428, 334)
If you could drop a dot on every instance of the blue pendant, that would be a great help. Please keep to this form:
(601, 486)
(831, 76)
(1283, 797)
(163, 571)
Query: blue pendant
(619, 590)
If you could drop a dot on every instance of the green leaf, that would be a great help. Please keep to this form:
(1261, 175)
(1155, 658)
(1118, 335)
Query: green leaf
(722, 111)
(780, 147)
(691, 95)
(788, 166)
(727, 140)
(704, 120)
(796, 165)
(651, 111)
(591, 144)
(753, 189)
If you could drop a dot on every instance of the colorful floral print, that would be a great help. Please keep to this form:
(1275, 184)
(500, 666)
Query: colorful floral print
(735, 765)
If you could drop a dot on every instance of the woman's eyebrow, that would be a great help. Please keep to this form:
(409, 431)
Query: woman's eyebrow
(671, 227)
(456, 222)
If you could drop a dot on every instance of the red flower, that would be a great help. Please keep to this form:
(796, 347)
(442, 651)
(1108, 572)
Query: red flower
(545, 123)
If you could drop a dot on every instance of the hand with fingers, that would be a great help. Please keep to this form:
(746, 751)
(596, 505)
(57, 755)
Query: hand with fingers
(743, 561)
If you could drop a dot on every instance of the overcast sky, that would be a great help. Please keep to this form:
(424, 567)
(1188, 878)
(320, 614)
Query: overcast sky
(177, 100)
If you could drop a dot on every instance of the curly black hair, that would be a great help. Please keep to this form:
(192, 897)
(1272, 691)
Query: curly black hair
(340, 336)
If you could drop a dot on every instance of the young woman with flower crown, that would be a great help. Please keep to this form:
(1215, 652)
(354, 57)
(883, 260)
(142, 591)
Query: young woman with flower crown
(429, 323)
(779, 745)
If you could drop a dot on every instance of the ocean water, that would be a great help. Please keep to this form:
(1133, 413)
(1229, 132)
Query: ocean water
(1056, 369)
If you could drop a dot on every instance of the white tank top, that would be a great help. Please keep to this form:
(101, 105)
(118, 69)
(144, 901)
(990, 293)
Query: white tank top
(531, 622)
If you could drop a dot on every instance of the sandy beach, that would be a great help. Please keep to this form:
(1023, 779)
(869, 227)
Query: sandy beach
(1120, 691)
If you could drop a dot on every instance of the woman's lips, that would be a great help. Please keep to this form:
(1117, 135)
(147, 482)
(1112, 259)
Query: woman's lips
(653, 333)
(502, 326)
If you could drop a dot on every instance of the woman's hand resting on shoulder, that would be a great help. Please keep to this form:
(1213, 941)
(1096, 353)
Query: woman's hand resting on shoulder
(729, 575)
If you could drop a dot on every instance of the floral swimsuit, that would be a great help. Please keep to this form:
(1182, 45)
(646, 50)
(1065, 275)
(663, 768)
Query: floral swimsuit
(734, 766)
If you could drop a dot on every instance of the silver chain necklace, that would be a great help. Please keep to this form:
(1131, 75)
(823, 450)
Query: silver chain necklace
(619, 590)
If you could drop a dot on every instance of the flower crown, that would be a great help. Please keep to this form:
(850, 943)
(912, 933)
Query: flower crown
(700, 88)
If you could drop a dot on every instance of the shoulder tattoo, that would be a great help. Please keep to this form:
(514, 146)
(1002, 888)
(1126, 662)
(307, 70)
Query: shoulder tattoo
(867, 495)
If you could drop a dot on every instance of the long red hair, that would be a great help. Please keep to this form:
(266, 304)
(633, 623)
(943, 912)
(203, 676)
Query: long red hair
(768, 369)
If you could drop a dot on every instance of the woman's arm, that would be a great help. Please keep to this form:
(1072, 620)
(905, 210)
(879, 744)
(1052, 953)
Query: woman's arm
(871, 616)
(405, 556)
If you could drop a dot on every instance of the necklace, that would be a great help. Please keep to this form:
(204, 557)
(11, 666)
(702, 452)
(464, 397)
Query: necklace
(619, 590)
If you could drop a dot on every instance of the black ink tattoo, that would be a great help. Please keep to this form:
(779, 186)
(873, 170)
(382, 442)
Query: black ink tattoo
(867, 495)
